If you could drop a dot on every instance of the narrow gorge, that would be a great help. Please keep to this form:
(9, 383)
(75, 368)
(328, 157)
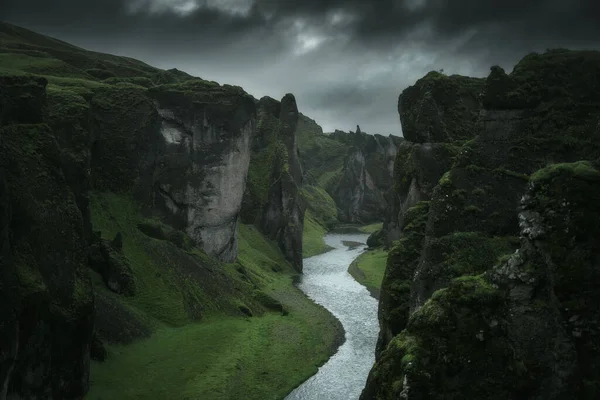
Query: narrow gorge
(165, 236)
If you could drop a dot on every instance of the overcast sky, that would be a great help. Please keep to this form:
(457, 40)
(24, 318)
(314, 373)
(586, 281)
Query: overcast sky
(345, 61)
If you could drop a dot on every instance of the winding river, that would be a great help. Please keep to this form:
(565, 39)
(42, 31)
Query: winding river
(326, 281)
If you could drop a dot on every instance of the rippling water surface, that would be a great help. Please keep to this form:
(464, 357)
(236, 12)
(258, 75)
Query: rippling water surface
(326, 280)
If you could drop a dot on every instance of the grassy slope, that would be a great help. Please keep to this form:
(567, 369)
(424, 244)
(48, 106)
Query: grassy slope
(368, 269)
(220, 357)
(312, 237)
(224, 355)
(372, 228)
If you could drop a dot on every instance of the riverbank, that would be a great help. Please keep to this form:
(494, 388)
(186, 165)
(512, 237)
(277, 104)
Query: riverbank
(368, 269)
(326, 280)
(221, 356)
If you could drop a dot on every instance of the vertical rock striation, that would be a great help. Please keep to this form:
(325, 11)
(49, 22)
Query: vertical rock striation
(462, 314)
(47, 298)
(272, 200)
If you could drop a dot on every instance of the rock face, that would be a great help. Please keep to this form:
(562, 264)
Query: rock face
(180, 150)
(202, 175)
(366, 176)
(272, 200)
(462, 314)
(184, 152)
(440, 108)
(47, 298)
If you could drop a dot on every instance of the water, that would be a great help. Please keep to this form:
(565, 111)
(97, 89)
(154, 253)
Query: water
(326, 281)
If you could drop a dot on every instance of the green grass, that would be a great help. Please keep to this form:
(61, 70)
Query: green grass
(321, 205)
(221, 356)
(312, 237)
(372, 228)
(368, 269)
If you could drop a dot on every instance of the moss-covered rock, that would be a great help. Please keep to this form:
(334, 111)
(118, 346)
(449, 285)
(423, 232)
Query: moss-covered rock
(50, 300)
(453, 347)
(273, 198)
(417, 170)
(540, 114)
(441, 108)
(107, 258)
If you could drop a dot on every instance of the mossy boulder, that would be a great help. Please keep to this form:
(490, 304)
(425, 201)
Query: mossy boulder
(417, 170)
(376, 239)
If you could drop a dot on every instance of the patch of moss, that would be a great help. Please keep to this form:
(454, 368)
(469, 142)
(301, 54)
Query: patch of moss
(372, 228)
(402, 260)
(450, 348)
(465, 253)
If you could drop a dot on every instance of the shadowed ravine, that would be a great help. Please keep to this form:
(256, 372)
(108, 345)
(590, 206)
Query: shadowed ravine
(326, 280)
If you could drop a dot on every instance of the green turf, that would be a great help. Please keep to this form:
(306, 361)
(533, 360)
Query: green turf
(368, 269)
(371, 228)
(312, 238)
(220, 357)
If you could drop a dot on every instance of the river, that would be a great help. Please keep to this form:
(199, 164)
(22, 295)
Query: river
(327, 282)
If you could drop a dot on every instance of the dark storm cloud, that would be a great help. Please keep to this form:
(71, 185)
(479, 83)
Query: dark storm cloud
(346, 61)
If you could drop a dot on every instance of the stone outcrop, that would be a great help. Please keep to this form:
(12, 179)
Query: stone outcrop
(201, 176)
(272, 200)
(183, 151)
(366, 176)
(462, 317)
(440, 108)
(47, 298)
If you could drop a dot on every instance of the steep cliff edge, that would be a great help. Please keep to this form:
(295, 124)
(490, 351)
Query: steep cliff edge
(273, 198)
(460, 315)
(120, 189)
(354, 168)
(47, 293)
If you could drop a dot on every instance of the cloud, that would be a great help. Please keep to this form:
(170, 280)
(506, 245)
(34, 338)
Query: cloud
(345, 60)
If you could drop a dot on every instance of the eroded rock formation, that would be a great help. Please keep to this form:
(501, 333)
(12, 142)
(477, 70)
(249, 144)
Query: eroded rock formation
(273, 199)
(462, 314)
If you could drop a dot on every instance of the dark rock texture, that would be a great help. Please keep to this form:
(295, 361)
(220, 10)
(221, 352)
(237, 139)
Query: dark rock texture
(272, 200)
(47, 296)
(107, 258)
(440, 108)
(201, 177)
(366, 176)
(183, 149)
(462, 314)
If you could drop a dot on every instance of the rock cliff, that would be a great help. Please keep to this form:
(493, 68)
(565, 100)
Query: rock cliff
(273, 198)
(355, 168)
(116, 180)
(46, 290)
(486, 293)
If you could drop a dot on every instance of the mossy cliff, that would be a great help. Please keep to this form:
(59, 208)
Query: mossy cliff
(273, 198)
(120, 190)
(488, 293)
(47, 294)
(354, 168)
